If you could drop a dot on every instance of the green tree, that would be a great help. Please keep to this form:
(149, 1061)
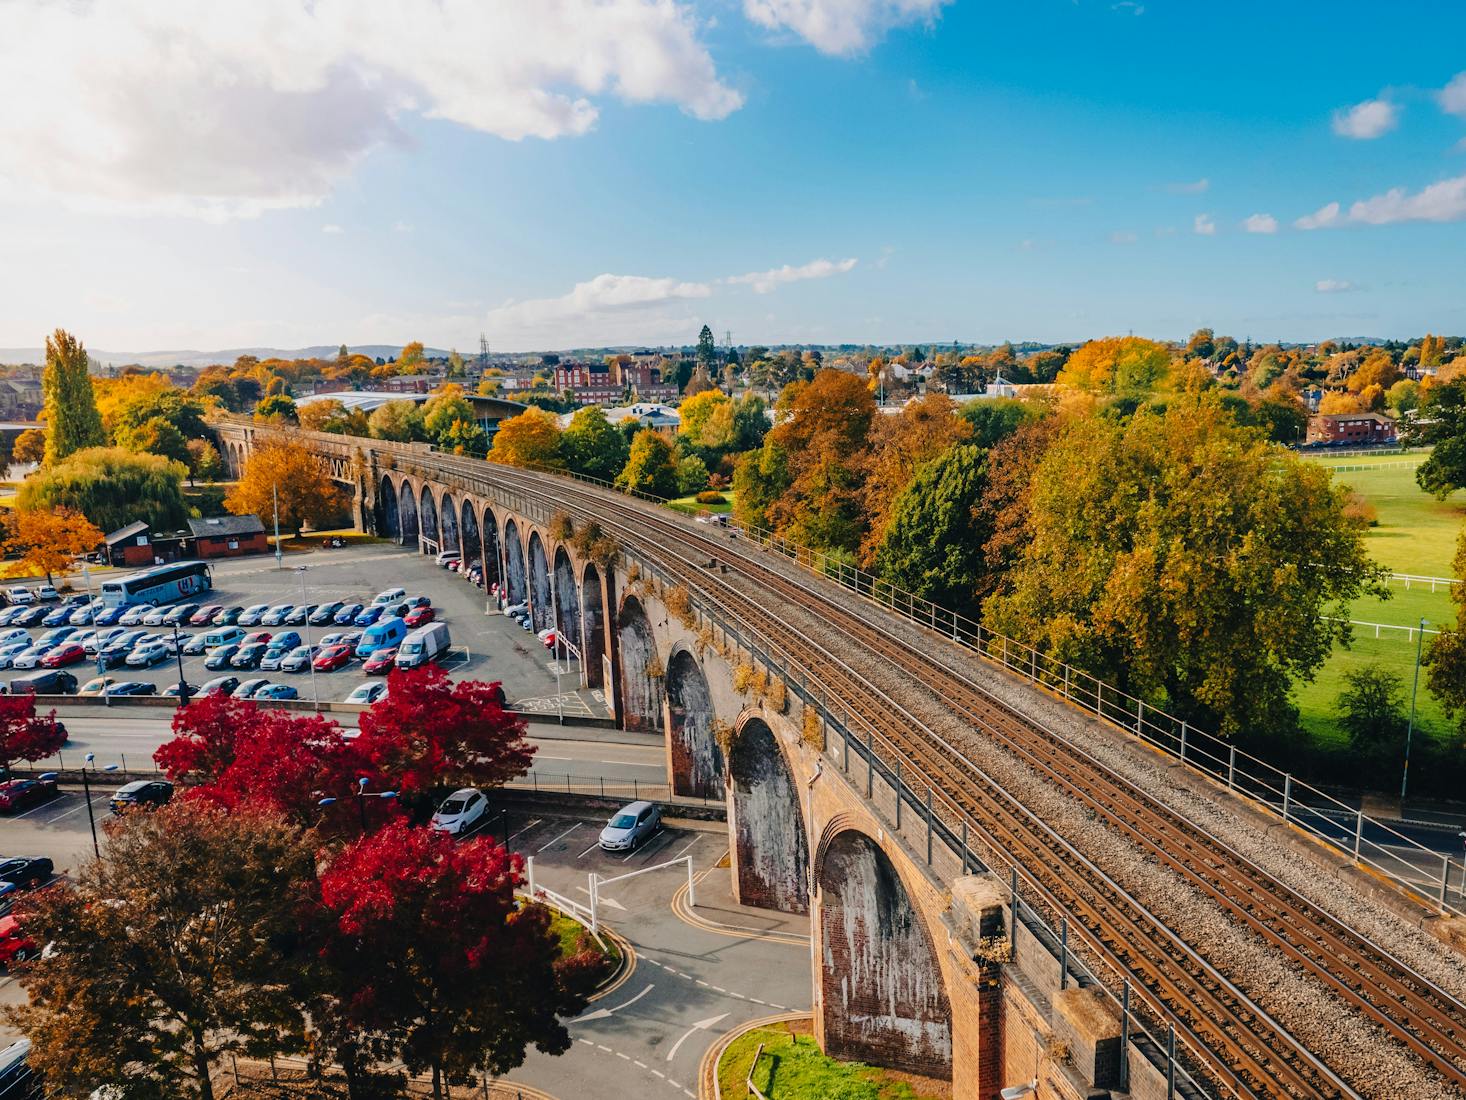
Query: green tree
(651, 467)
(1446, 658)
(164, 953)
(156, 435)
(1190, 561)
(760, 480)
(278, 408)
(593, 446)
(750, 423)
(933, 544)
(707, 352)
(441, 412)
(1442, 421)
(72, 420)
(465, 437)
(692, 475)
(400, 421)
(995, 420)
(1370, 711)
(112, 487)
(204, 461)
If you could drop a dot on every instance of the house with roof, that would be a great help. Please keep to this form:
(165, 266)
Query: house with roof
(129, 546)
(227, 536)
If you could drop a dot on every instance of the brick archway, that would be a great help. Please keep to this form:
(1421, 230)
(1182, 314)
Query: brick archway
(697, 760)
(772, 859)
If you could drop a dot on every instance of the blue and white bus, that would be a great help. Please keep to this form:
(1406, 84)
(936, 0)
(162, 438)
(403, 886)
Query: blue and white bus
(162, 584)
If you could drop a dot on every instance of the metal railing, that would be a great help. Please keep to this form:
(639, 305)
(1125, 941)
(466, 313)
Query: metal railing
(1409, 631)
(1410, 580)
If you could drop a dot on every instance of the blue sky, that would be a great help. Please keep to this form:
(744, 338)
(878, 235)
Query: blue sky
(566, 172)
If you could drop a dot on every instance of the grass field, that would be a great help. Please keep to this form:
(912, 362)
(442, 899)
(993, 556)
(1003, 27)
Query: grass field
(690, 505)
(793, 1067)
(1416, 534)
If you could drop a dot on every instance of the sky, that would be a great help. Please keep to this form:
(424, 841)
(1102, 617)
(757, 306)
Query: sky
(562, 173)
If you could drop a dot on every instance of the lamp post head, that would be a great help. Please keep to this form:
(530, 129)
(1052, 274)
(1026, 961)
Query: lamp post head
(362, 782)
(46, 775)
(90, 757)
(325, 802)
(387, 794)
(111, 767)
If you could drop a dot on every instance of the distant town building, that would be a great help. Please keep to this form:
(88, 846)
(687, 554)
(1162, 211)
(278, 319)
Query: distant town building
(1353, 429)
(227, 536)
(662, 418)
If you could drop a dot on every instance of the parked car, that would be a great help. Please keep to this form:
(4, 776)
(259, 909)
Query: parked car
(49, 681)
(247, 688)
(460, 812)
(100, 639)
(109, 616)
(20, 594)
(631, 825)
(299, 658)
(347, 614)
(299, 616)
(219, 657)
(219, 685)
(229, 616)
(173, 691)
(197, 645)
(95, 685)
(516, 609)
(17, 1082)
(276, 615)
(256, 637)
(133, 616)
(178, 613)
(420, 616)
(67, 653)
(26, 871)
(277, 691)
(31, 658)
(82, 616)
(386, 633)
(147, 654)
(329, 660)
(204, 616)
(274, 657)
(252, 615)
(9, 612)
(30, 616)
(287, 638)
(133, 687)
(324, 614)
(16, 634)
(418, 601)
(22, 794)
(249, 655)
(391, 595)
(370, 615)
(47, 592)
(367, 694)
(142, 794)
(380, 662)
(426, 643)
(58, 616)
(8, 653)
(155, 616)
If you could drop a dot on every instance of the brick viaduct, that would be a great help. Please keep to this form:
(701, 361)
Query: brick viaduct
(916, 964)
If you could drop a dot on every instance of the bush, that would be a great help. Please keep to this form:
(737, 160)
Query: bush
(709, 496)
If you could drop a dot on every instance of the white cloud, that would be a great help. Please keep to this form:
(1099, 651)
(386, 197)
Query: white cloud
(401, 227)
(1444, 201)
(1195, 187)
(1128, 6)
(606, 309)
(1260, 223)
(1364, 121)
(765, 281)
(1333, 286)
(1321, 218)
(1121, 236)
(1452, 97)
(1204, 226)
(332, 228)
(147, 105)
(841, 27)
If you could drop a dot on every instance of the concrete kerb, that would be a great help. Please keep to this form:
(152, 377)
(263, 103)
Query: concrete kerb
(707, 1070)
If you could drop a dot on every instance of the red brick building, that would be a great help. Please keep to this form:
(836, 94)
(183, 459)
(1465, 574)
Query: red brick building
(228, 536)
(129, 546)
(1352, 429)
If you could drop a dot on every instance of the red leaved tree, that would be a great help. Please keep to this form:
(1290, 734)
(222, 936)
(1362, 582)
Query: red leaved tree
(426, 957)
(24, 734)
(431, 732)
(234, 753)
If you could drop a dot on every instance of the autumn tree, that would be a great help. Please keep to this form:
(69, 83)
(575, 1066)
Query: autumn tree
(697, 414)
(26, 735)
(532, 439)
(112, 487)
(464, 437)
(332, 416)
(276, 408)
(285, 472)
(1118, 366)
(48, 542)
(899, 444)
(400, 421)
(593, 446)
(441, 412)
(1011, 465)
(933, 544)
(1190, 561)
(72, 421)
(164, 954)
(1447, 656)
(994, 420)
(30, 447)
(651, 467)
(205, 463)
(426, 958)
(412, 355)
(430, 732)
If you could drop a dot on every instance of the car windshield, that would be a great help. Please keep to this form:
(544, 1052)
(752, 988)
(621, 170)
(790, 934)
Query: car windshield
(452, 806)
(623, 821)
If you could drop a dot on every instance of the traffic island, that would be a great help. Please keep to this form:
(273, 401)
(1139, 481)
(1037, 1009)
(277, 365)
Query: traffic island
(782, 1061)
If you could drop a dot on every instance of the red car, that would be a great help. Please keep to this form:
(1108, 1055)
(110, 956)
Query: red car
(420, 616)
(380, 662)
(17, 794)
(258, 637)
(68, 653)
(333, 658)
(15, 945)
(204, 615)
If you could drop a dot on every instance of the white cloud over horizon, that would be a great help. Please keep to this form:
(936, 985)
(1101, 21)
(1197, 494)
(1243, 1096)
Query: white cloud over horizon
(1260, 223)
(1333, 286)
(1368, 120)
(1203, 226)
(765, 281)
(841, 27)
(1442, 201)
(1452, 97)
(143, 106)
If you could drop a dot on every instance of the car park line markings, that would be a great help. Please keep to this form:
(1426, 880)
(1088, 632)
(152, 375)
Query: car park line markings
(688, 848)
(649, 848)
(587, 852)
(74, 809)
(559, 836)
(526, 829)
(38, 806)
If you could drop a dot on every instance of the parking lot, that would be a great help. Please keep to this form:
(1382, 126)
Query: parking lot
(484, 646)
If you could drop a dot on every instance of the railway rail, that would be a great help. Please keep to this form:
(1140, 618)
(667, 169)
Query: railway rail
(1258, 1056)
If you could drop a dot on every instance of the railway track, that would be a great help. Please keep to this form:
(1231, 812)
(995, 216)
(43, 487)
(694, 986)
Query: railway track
(1416, 1013)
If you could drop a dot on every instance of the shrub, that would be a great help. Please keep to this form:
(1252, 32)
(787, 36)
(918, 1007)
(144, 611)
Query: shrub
(709, 496)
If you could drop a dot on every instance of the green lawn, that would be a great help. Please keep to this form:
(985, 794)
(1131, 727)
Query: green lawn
(690, 505)
(793, 1067)
(1416, 534)
(570, 932)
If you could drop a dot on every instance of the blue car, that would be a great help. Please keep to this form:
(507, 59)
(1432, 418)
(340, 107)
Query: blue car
(57, 616)
(109, 616)
(369, 616)
(341, 618)
(276, 691)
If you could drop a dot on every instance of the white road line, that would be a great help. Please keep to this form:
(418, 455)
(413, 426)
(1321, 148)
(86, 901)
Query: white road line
(639, 1064)
(44, 805)
(623, 1057)
(526, 829)
(553, 839)
(648, 849)
(83, 806)
(688, 848)
(592, 848)
(602, 1013)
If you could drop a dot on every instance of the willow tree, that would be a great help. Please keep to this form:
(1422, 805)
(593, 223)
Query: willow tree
(72, 420)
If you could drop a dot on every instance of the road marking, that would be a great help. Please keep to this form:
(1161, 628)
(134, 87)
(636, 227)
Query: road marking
(601, 1014)
(553, 839)
(44, 805)
(83, 806)
(592, 848)
(650, 847)
(687, 849)
(526, 829)
(706, 985)
(612, 902)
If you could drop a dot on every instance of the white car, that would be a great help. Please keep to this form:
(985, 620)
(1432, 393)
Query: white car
(392, 595)
(460, 812)
(47, 592)
(20, 595)
(299, 659)
(448, 556)
(9, 653)
(101, 638)
(367, 694)
(31, 658)
(148, 654)
(155, 616)
(15, 634)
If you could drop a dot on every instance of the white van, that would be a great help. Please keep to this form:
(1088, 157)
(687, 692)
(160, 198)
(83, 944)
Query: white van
(226, 635)
(426, 643)
(392, 595)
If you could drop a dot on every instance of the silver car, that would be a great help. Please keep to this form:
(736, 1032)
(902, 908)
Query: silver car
(630, 826)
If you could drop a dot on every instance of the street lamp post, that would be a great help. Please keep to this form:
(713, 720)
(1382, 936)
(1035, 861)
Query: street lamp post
(362, 794)
(178, 655)
(86, 787)
(97, 634)
(1410, 729)
(315, 694)
(279, 554)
